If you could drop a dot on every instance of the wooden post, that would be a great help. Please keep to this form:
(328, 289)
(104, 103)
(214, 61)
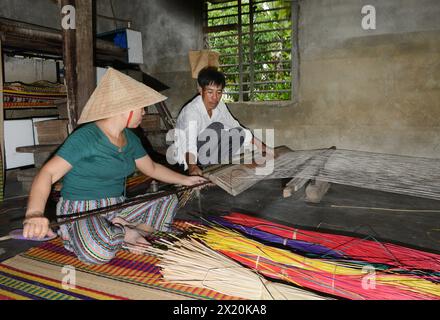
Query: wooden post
(84, 52)
(69, 59)
(316, 191)
(2, 135)
(293, 186)
(78, 56)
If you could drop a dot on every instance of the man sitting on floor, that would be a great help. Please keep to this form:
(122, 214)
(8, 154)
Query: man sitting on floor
(206, 132)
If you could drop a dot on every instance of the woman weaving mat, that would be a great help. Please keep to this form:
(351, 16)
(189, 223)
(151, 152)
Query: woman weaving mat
(94, 162)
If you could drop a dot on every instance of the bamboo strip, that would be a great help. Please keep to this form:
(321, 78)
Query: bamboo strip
(190, 262)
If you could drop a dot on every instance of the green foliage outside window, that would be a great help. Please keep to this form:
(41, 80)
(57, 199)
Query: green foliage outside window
(266, 43)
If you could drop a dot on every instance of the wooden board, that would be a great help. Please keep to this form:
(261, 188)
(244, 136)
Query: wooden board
(236, 178)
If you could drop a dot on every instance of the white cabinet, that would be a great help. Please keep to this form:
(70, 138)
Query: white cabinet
(18, 133)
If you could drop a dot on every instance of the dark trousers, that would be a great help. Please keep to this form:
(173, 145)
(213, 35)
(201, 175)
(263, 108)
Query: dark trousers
(217, 145)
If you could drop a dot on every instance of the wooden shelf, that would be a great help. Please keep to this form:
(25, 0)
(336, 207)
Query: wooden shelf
(38, 148)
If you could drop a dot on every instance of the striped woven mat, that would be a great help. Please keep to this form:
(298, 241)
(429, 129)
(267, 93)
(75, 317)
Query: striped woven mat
(45, 272)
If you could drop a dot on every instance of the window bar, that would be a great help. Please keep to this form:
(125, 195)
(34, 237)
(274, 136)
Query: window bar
(221, 28)
(233, 73)
(260, 91)
(259, 63)
(229, 55)
(223, 47)
(270, 42)
(271, 62)
(294, 15)
(272, 91)
(229, 65)
(225, 36)
(260, 83)
(268, 51)
(272, 82)
(232, 93)
(268, 21)
(272, 9)
(269, 30)
(205, 25)
(226, 16)
(251, 47)
(273, 71)
(221, 8)
(257, 2)
(240, 51)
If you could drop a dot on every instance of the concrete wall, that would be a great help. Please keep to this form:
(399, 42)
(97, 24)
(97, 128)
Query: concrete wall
(375, 90)
(169, 29)
(41, 12)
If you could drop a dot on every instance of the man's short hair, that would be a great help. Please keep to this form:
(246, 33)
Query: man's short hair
(209, 76)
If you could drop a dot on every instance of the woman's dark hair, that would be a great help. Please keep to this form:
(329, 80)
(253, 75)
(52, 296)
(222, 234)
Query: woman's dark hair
(210, 75)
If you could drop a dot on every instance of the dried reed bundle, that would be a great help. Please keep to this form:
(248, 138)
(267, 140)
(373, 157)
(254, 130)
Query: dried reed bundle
(188, 261)
(189, 194)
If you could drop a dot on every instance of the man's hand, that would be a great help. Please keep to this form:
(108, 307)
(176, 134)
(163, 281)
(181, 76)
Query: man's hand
(270, 152)
(192, 180)
(36, 226)
(266, 151)
(194, 170)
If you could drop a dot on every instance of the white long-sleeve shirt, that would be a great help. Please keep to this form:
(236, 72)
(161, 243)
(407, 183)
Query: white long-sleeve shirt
(192, 120)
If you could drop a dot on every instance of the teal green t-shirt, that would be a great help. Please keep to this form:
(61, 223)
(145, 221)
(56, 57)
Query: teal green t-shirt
(98, 169)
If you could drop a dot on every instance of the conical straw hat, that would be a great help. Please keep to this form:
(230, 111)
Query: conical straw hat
(115, 94)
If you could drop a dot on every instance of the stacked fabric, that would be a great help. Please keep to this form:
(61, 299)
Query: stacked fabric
(38, 94)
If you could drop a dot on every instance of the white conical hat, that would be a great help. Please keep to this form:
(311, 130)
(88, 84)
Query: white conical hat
(115, 94)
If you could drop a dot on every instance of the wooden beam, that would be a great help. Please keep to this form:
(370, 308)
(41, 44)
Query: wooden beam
(34, 37)
(315, 191)
(70, 74)
(293, 186)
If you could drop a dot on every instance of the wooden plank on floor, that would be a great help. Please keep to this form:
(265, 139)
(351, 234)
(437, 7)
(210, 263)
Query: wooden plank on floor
(293, 186)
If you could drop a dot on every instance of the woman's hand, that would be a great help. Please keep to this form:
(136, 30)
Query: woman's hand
(36, 226)
(192, 180)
